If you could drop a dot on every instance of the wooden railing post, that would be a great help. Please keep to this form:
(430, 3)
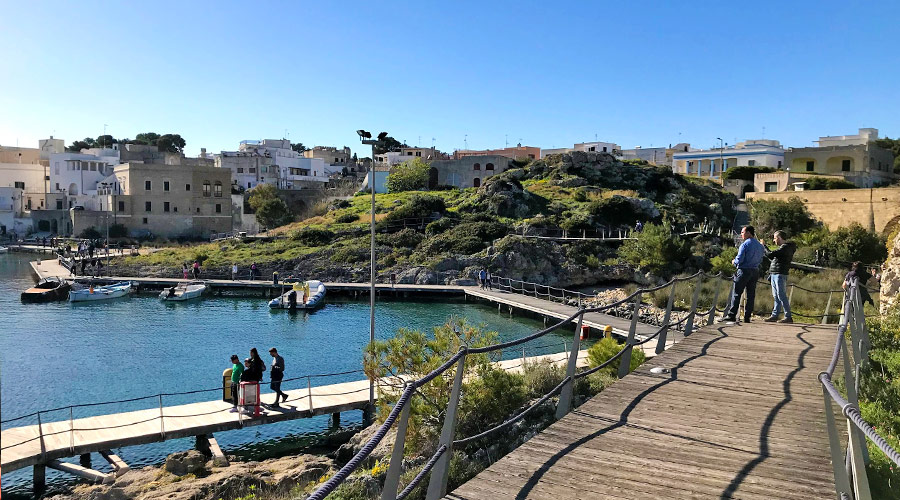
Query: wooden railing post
(71, 431)
(162, 420)
(625, 360)
(841, 480)
(661, 340)
(309, 393)
(827, 307)
(392, 479)
(689, 324)
(41, 438)
(715, 302)
(565, 394)
(437, 485)
(791, 295)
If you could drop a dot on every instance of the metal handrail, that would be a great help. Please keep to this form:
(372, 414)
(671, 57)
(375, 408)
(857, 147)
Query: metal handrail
(849, 467)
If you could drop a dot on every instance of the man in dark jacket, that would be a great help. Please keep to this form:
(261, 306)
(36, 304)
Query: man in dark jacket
(778, 271)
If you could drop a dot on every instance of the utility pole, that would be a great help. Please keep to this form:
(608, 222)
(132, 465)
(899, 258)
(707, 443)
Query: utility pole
(721, 156)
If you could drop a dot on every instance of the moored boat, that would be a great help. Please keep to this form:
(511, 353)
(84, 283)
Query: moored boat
(183, 291)
(47, 290)
(106, 292)
(3, 249)
(306, 295)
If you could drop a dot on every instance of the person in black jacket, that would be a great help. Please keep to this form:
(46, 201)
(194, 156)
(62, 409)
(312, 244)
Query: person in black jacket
(778, 271)
(257, 366)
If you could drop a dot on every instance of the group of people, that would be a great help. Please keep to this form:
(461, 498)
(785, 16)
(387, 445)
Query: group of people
(252, 370)
(749, 257)
(191, 272)
(484, 279)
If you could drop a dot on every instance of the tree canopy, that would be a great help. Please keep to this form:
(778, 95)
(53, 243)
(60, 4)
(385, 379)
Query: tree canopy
(745, 173)
(792, 216)
(389, 144)
(893, 145)
(298, 147)
(409, 176)
(271, 210)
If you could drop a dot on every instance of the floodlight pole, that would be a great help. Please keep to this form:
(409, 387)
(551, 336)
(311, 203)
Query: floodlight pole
(373, 143)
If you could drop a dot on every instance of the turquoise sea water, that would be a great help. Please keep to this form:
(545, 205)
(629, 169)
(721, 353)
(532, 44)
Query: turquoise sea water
(58, 354)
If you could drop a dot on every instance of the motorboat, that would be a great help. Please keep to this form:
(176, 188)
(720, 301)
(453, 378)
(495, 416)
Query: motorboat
(3, 249)
(105, 292)
(47, 290)
(183, 291)
(306, 295)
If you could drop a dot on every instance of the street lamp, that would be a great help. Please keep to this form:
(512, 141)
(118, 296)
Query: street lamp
(721, 153)
(106, 186)
(366, 138)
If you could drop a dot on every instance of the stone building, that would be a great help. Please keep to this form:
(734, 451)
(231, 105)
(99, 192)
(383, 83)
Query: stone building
(710, 163)
(586, 147)
(466, 172)
(271, 161)
(517, 152)
(855, 158)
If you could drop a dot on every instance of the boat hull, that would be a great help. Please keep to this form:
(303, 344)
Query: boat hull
(286, 301)
(100, 293)
(36, 294)
(181, 295)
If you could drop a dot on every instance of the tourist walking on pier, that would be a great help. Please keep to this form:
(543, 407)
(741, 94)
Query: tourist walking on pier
(234, 271)
(253, 271)
(778, 273)
(257, 366)
(747, 262)
(237, 369)
(277, 376)
(482, 275)
(196, 270)
(487, 276)
(184, 270)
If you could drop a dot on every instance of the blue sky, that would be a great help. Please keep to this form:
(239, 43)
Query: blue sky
(548, 73)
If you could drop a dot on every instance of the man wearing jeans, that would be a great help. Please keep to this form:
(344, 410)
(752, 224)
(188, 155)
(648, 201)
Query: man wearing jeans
(778, 271)
(747, 262)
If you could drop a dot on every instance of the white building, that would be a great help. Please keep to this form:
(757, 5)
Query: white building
(588, 147)
(865, 136)
(712, 162)
(272, 161)
(12, 212)
(75, 177)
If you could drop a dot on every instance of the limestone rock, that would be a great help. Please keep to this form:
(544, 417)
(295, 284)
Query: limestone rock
(352, 447)
(185, 462)
(890, 277)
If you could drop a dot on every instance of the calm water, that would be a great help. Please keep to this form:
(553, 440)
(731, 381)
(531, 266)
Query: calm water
(58, 354)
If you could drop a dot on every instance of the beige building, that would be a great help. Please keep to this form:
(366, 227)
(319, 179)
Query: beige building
(865, 165)
(877, 209)
(519, 151)
(331, 154)
(470, 171)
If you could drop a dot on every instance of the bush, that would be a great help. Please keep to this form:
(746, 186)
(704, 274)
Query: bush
(90, 233)
(656, 248)
(769, 216)
(439, 226)
(466, 238)
(419, 206)
(615, 211)
(347, 218)
(722, 262)
(607, 348)
(407, 238)
(408, 176)
(118, 231)
(855, 243)
(745, 173)
(817, 183)
(313, 237)
(541, 376)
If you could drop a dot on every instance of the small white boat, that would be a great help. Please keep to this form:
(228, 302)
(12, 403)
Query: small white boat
(3, 249)
(183, 291)
(106, 292)
(307, 295)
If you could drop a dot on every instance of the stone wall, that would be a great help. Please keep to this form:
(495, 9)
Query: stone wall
(890, 277)
(877, 209)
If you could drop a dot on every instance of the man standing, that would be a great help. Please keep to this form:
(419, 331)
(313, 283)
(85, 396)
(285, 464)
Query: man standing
(236, 370)
(277, 376)
(234, 271)
(482, 276)
(747, 262)
(778, 273)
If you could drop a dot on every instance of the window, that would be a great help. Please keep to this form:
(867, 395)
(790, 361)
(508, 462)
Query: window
(56, 165)
(751, 163)
(418, 153)
(165, 185)
(218, 191)
(175, 209)
(240, 170)
(264, 169)
(252, 170)
(477, 166)
(845, 165)
(187, 187)
(604, 149)
(810, 166)
(592, 148)
(93, 166)
(771, 187)
(145, 220)
(206, 189)
(121, 206)
(57, 186)
(476, 182)
(146, 185)
(165, 206)
(489, 166)
(779, 163)
(218, 208)
(59, 204)
(198, 210)
(147, 206)
(20, 185)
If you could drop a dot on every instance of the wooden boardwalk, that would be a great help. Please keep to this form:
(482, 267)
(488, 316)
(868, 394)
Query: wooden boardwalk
(739, 415)
(22, 446)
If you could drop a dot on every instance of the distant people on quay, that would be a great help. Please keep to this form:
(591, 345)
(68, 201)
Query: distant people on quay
(749, 257)
(482, 277)
(184, 270)
(778, 274)
(277, 375)
(254, 271)
(234, 271)
(487, 277)
(196, 269)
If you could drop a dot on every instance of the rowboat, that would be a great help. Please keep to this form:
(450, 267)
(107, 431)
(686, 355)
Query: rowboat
(106, 292)
(48, 289)
(306, 295)
(183, 291)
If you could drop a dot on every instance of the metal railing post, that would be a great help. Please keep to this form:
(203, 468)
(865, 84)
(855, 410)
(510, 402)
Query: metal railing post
(41, 438)
(827, 307)
(309, 393)
(565, 394)
(841, 480)
(689, 324)
(715, 302)
(661, 340)
(392, 479)
(162, 420)
(437, 485)
(71, 431)
(625, 361)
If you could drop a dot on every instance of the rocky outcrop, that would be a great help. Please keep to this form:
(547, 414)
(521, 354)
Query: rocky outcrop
(890, 277)
(279, 475)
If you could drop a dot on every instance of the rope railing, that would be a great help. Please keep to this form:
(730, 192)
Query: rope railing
(849, 464)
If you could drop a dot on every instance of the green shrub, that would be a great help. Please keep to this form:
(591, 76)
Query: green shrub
(419, 206)
(615, 211)
(439, 226)
(580, 195)
(408, 176)
(769, 216)
(817, 183)
(118, 231)
(607, 348)
(745, 173)
(722, 262)
(407, 238)
(855, 243)
(541, 376)
(90, 233)
(656, 248)
(347, 218)
(466, 238)
(313, 237)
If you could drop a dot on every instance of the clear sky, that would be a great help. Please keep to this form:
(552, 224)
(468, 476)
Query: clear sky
(547, 73)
